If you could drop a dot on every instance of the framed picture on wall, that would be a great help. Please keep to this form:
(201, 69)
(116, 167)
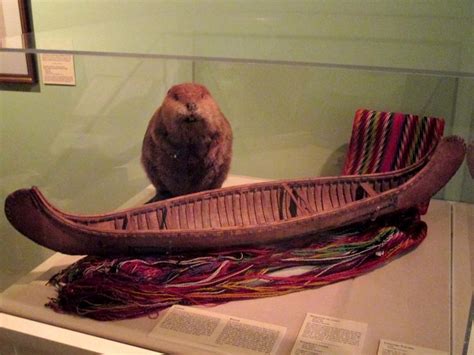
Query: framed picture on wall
(15, 32)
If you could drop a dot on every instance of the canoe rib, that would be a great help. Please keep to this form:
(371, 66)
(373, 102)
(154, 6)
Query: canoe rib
(250, 214)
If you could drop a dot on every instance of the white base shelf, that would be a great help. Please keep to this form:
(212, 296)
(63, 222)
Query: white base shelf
(422, 298)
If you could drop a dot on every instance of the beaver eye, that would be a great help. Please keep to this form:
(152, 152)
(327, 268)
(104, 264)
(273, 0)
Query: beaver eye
(176, 97)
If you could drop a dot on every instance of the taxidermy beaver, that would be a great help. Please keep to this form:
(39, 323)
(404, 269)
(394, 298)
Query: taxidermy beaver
(188, 144)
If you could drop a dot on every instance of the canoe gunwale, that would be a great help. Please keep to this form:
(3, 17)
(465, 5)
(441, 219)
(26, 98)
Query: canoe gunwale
(384, 200)
(226, 191)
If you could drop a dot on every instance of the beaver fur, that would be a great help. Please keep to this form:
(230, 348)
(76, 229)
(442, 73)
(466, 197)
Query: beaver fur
(188, 143)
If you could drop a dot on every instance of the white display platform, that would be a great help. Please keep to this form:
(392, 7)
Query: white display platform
(422, 298)
(463, 276)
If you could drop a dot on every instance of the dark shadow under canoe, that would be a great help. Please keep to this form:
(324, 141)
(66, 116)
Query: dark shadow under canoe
(252, 214)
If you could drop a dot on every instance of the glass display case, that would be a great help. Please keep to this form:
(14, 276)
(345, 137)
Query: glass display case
(289, 76)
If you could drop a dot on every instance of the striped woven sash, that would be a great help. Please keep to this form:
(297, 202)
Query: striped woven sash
(386, 141)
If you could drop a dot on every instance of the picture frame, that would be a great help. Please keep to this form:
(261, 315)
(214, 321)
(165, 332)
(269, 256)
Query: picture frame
(15, 32)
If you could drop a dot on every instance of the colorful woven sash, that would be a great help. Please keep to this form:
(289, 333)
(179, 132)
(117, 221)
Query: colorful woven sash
(119, 288)
(387, 141)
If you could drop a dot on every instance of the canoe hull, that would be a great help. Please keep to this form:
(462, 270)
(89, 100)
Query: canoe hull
(32, 215)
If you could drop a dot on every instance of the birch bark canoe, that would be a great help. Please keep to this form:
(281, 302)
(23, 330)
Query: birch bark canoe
(245, 215)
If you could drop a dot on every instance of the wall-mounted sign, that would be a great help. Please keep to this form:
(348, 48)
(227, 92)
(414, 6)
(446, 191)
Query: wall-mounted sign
(58, 69)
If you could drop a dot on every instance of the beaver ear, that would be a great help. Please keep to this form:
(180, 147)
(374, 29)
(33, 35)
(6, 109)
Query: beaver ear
(172, 94)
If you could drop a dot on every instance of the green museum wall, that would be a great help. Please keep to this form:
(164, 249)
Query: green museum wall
(433, 35)
(297, 121)
(81, 144)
